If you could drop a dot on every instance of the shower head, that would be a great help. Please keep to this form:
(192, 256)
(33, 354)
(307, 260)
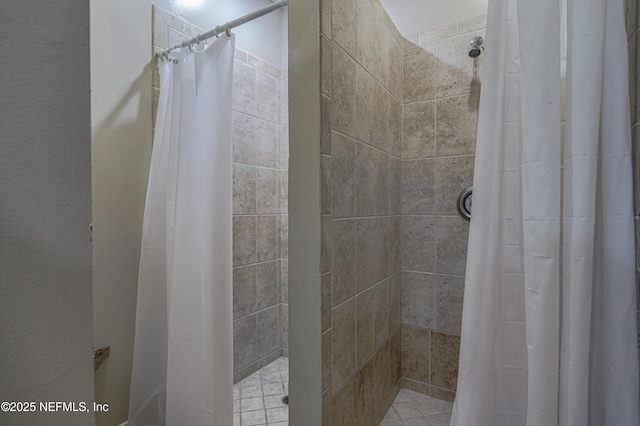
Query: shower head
(476, 47)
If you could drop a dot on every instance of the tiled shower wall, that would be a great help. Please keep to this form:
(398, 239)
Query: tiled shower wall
(260, 162)
(361, 56)
(440, 97)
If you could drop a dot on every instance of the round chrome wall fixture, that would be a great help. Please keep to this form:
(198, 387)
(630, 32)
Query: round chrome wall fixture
(464, 203)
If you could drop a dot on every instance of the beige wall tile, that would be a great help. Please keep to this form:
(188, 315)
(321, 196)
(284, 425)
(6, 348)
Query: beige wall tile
(419, 130)
(441, 394)
(457, 119)
(343, 92)
(366, 242)
(453, 174)
(415, 386)
(454, 67)
(326, 64)
(380, 183)
(244, 240)
(410, 40)
(284, 281)
(365, 105)
(325, 17)
(343, 345)
(325, 243)
(284, 327)
(365, 326)
(326, 346)
(267, 238)
(415, 353)
(418, 186)
(449, 304)
(177, 37)
(452, 234)
(418, 75)
(394, 235)
(418, 292)
(240, 55)
(364, 395)
(267, 274)
(258, 63)
(266, 143)
(381, 249)
(267, 190)
(386, 19)
(268, 332)
(327, 403)
(395, 127)
(342, 406)
(381, 312)
(381, 118)
(283, 181)
(364, 180)
(395, 308)
(325, 302)
(343, 264)
(244, 138)
(395, 373)
(244, 88)
(343, 176)
(244, 189)
(245, 341)
(154, 107)
(395, 185)
(418, 243)
(284, 236)
(325, 184)
(343, 24)
(395, 69)
(325, 129)
(381, 51)
(244, 291)
(365, 34)
(631, 12)
(161, 28)
(383, 387)
(266, 97)
(445, 352)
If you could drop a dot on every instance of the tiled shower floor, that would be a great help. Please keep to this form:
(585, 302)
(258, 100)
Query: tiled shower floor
(415, 409)
(257, 400)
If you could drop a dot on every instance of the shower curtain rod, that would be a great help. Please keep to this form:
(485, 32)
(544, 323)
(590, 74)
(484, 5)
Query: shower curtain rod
(278, 4)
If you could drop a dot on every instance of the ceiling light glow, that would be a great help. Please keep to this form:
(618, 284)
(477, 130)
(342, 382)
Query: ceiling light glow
(189, 4)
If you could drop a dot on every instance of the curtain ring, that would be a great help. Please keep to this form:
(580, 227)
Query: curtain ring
(227, 30)
(198, 39)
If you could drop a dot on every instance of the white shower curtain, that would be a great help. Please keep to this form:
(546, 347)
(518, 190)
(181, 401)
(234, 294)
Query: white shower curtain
(549, 320)
(183, 361)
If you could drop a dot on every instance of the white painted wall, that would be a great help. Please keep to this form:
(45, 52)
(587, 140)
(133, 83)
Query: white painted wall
(412, 16)
(121, 147)
(45, 211)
